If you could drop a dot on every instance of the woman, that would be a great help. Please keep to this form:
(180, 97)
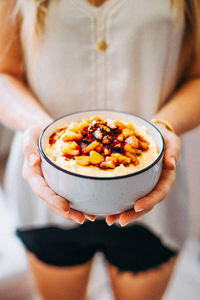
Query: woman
(65, 56)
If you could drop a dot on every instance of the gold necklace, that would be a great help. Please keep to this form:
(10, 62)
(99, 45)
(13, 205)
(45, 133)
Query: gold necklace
(101, 43)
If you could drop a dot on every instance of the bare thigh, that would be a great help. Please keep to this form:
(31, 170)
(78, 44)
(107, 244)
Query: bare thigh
(148, 285)
(63, 283)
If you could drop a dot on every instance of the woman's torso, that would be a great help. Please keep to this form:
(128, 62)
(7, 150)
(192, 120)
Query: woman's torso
(67, 73)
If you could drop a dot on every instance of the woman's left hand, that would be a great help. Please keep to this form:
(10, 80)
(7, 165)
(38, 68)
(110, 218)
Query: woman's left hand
(164, 185)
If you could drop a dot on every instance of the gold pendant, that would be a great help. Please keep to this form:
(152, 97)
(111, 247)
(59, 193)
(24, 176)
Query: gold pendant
(102, 46)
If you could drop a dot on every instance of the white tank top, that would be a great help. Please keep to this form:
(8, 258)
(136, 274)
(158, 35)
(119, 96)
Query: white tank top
(136, 73)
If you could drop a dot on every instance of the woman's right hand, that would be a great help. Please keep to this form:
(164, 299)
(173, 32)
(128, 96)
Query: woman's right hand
(33, 174)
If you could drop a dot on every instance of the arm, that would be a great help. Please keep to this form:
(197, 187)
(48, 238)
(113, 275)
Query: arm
(20, 110)
(182, 111)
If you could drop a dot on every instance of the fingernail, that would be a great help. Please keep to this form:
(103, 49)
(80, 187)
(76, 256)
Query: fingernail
(110, 223)
(89, 219)
(138, 209)
(92, 219)
(32, 159)
(123, 224)
(172, 160)
(78, 221)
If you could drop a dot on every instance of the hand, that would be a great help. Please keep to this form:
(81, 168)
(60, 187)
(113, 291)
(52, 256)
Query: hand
(33, 174)
(163, 187)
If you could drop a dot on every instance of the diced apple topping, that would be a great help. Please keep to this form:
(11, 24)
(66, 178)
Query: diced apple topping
(120, 125)
(83, 160)
(90, 147)
(132, 141)
(127, 132)
(96, 158)
(133, 157)
(70, 151)
(104, 144)
(71, 136)
(144, 146)
(99, 148)
(107, 164)
(121, 158)
(97, 118)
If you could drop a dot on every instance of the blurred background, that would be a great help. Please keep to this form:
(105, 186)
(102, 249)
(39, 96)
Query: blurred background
(16, 283)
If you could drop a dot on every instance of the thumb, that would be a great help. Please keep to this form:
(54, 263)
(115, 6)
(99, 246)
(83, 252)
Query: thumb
(172, 150)
(30, 145)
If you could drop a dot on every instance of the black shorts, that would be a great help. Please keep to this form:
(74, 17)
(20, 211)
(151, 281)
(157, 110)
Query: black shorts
(133, 248)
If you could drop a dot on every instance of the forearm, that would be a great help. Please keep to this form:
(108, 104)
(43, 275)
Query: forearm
(19, 109)
(182, 111)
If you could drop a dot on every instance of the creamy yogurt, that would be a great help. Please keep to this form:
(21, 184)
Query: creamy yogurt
(54, 153)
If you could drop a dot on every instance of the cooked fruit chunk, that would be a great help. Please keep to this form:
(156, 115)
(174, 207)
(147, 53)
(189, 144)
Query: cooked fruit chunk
(121, 158)
(106, 139)
(74, 145)
(143, 146)
(132, 141)
(66, 149)
(106, 151)
(127, 132)
(107, 165)
(111, 158)
(120, 137)
(99, 148)
(130, 126)
(133, 157)
(90, 147)
(98, 134)
(96, 158)
(84, 123)
(104, 127)
(83, 160)
(112, 124)
(120, 125)
(97, 118)
(128, 148)
(71, 136)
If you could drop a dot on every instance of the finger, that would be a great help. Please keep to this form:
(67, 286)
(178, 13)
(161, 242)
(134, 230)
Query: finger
(30, 145)
(161, 190)
(131, 215)
(77, 216)
(91, 218)
(172, 150)
(112, 219)
(42, 190)
(59, 212)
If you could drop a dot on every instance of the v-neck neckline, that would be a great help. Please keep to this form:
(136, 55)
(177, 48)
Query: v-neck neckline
(102, 7)
(86, 7)
(97, 6)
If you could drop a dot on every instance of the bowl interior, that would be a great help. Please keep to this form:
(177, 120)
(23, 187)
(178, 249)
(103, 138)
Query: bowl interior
(61, 122)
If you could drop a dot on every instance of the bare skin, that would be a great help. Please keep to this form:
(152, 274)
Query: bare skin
(149, 285)
(20, 110)
(70, 283)
(55, 283)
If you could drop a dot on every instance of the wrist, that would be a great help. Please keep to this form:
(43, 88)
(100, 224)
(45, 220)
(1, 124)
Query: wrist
(164, 123)
(38, 122)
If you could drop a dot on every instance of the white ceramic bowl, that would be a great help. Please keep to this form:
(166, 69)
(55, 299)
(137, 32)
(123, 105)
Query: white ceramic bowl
(101, 195)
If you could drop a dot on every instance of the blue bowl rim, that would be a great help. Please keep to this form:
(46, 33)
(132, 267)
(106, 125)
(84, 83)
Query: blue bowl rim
(93, 177)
